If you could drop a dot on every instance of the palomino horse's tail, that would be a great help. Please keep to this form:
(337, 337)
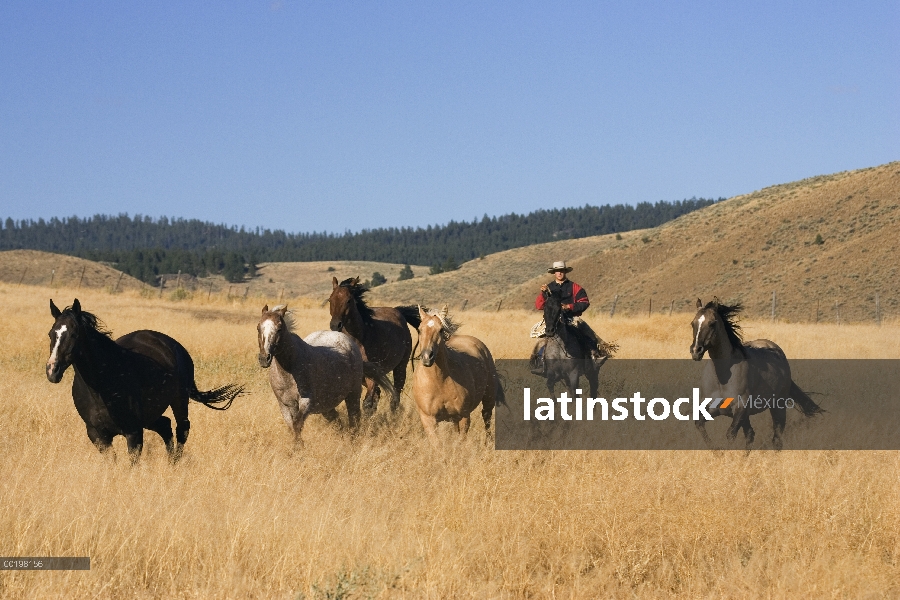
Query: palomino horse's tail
(373, 371)
(223, 396)
(411, 314)
(804, 402)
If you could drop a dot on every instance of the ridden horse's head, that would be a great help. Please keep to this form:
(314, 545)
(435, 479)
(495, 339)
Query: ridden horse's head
(705, 326)
(64, 337)
(434, 330)
(272, 325)
(552, 311)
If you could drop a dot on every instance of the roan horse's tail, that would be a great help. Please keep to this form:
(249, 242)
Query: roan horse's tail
(411, 314)
(804, 402)
(223, 396)
(373, 371)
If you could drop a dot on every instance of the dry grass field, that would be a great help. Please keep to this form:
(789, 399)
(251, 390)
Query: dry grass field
(382, 515)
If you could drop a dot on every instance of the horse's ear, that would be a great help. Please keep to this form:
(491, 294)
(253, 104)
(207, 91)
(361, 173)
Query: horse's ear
(282, 311)
(76, 306)
(265, 309)
(716, 301)
(355, 280)
(699, 303)
(422, 314)
(54, 312)
(444, 310)
(334, 282)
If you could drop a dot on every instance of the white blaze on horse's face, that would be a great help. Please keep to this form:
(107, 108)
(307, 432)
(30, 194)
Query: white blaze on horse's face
(59, 336)
(268, 331)
(429, 337)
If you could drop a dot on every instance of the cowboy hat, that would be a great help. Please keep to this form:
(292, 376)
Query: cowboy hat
(559, 265)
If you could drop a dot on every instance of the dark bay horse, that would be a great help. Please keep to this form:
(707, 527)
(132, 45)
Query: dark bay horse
(739, 370)
(314, 374)
(565, 359)
(382, 331)
(457, 374)
(123, 387)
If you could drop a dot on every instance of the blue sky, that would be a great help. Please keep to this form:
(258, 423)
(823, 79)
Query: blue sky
(334, 116)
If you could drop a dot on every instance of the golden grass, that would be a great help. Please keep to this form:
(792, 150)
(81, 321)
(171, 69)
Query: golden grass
(383, 515)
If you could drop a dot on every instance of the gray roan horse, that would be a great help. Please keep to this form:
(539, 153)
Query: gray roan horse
(122, 387)
(564, 357)
(312, 375)
(381, 330)
(740, 370)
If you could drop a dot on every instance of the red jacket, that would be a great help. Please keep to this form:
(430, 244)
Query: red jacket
(571, 294)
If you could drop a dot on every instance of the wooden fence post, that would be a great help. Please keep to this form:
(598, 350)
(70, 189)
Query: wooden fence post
(499, 304)
(80, 279)
(612, 311)
(22, 278)
(773, 306)
(650, 308)
(671, 308)
(209, 293)
(52, 275)
(463, 305)
(121, 275)
(877, 311)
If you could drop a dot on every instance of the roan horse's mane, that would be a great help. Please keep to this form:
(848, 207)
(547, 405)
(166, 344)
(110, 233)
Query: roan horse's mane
(357, 290)
(288, 317)
(448, 327)
(88, 321)
(729, 315)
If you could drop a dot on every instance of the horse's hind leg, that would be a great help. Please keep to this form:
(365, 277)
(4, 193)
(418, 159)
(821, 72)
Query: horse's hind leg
(593, 376)
(749, 434)
(399, 382)
(779, 417)
(163, 426)
(182, 425)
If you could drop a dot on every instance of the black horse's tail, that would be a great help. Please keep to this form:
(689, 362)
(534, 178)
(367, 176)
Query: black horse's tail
(411, 314)
(499, 393)
(804, 402)
(223, 396)
(373, 371)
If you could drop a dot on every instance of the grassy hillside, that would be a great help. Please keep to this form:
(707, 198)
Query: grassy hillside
(33, 267)
(743, 249)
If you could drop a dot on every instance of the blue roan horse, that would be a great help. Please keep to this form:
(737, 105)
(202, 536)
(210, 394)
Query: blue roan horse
(123, 387)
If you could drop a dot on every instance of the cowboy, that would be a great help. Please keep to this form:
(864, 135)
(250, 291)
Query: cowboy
(574, 302)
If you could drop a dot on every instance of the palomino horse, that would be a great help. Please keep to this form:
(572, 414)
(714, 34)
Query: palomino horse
(564, 357)
(311, 375)
(742, 370)
(457, 374)
(381, 331)
(123, 387)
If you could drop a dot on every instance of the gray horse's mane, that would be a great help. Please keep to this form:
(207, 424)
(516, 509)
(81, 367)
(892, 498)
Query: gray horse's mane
(288, 317)
(448, 326)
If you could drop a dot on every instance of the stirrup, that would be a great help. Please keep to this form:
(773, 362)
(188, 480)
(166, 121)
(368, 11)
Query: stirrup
(539, 367)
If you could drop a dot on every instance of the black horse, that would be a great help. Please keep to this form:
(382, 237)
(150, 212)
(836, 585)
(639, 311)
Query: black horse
(564, 355)
(123, 387)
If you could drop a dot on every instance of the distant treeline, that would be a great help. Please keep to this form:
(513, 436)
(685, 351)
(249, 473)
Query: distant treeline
(146, 248)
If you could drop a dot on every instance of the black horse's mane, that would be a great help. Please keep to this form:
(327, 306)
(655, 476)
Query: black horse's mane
(730, 315)
(88, 321)
(357, 290)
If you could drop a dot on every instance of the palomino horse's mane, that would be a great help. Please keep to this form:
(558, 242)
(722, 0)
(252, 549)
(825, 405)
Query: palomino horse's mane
(88, 321)
(730, 315)
(288, 317)
(448, 327)
(357, 290)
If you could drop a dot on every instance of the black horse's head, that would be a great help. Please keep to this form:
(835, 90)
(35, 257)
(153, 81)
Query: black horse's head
(552, 311)
(63, 339)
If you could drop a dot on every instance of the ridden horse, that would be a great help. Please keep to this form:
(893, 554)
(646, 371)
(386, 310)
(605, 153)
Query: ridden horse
(382, 331)
(457, 374)
(740, 370)
(565, 359)
(311, 375)
(123, 387)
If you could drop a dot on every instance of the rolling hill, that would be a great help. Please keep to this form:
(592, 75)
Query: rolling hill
(744, 248)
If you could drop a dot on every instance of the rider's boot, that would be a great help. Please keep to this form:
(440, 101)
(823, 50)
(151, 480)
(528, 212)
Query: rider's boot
(538, 365)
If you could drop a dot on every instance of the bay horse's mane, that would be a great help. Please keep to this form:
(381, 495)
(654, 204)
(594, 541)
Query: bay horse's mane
(88, 321)
(358, 290)
(730, 315)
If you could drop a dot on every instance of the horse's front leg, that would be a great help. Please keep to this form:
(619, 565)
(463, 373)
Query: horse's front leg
(135, 441)
(463, 425)
(353, 412)
(370, 404)
(429, 422)
(101, 440)
(294, 413)
(779, 417)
